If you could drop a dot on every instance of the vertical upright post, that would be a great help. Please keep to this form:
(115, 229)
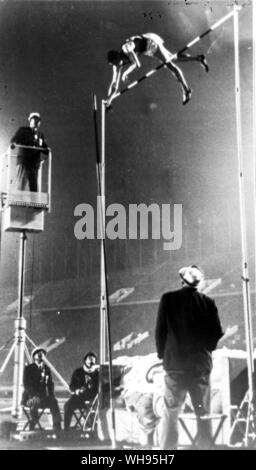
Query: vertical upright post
(20, 333)
(245, 271)
(49, 178)
(254, 128)
(102, 257)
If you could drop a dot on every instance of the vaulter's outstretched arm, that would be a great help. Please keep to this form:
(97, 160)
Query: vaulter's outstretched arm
(113, 83)
(114, 86)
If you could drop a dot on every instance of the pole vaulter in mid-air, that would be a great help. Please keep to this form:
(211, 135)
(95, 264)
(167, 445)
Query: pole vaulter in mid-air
(151, 45)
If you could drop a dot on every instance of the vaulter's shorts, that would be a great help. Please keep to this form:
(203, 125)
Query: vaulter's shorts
(153, 42)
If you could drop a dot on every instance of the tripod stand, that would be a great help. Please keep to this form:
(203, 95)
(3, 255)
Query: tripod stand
(19, 347)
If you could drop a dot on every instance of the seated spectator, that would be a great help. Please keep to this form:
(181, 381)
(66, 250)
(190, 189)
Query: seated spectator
(83, 387)
(39, 390)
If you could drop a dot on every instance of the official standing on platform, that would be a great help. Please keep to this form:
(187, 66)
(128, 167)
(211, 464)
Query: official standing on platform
(187, 331)
(29, 159)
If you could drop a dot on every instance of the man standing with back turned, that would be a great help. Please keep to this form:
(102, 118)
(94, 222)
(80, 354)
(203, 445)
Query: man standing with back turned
(187, 331)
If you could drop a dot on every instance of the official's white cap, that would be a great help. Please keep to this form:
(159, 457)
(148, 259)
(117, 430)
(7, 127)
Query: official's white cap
(37, 350)
(34, 115)
(191, 275)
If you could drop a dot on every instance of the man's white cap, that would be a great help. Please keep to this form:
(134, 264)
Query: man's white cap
(191, 275)
(37, 350)
(34, 115)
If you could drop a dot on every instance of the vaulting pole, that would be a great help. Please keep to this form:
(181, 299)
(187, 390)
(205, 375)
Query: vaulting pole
(102, 210)
(105, 327)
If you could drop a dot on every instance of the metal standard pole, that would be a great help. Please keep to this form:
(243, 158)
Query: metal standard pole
(50, 178)
(102, 258)
(254, 127)
(20, 334)
(245, 271)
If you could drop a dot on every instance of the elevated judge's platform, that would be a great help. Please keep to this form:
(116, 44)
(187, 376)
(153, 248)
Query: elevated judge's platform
(25, 188)
(25, 197)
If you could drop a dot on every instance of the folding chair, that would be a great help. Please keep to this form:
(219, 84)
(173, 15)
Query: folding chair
(41, 412)
(80, 415)
(192, 417)
(85, 417)
(92, 415)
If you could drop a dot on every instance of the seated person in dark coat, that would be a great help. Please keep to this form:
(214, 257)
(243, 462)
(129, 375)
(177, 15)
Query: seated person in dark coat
(39, 390)
(84, 387)
(29, 159)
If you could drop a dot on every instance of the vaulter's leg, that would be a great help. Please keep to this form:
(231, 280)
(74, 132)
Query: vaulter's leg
(189, 58)
(165, 56)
